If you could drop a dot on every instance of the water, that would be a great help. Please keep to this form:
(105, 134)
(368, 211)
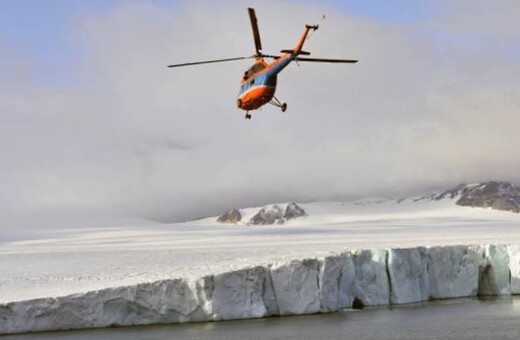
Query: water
(455, 319)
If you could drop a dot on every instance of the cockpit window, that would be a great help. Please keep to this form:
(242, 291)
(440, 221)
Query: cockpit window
(254, 69)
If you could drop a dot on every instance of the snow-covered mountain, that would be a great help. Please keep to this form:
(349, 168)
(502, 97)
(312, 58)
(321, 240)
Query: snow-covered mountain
(495, 195)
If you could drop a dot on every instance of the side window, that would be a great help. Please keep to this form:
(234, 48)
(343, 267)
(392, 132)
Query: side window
(252, 81)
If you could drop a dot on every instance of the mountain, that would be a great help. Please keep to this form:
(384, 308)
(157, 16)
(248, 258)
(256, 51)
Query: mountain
(230, 216)
(272, 214)
(495, 195)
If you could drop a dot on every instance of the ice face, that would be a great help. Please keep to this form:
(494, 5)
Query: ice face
(514, 268)
(238, 294)
(330, 272)
(203, 289)
(454, 271)
(168, 301)
(347, 282)
(408, 274)
(269, 297)
(371, 283)
(494, 276)
(296, 287)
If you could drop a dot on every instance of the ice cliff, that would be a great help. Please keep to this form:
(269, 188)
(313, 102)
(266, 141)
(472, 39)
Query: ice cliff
(301, 286)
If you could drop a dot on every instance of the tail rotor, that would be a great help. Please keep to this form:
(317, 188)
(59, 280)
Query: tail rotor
(322, 20)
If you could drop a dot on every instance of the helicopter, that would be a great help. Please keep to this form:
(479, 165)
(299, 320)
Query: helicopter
(258, 84)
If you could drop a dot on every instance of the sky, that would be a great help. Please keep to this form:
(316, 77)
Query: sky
(92, 123)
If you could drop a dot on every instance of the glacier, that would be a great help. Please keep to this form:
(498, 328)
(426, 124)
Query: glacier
(326, 283)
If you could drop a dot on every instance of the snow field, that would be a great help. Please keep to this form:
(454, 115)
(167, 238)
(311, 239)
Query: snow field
(307, 286)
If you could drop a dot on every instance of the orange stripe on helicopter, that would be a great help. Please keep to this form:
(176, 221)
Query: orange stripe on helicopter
(255, 97)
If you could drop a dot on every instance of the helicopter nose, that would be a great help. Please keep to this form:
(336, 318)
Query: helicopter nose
(239, 103)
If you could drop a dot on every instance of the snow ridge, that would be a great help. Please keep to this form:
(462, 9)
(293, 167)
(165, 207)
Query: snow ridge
(301, 286)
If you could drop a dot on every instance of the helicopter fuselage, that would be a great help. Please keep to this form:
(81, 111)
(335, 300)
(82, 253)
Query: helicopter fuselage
(258, 85)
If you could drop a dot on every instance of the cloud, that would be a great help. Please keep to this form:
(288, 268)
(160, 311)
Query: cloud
(135, 139)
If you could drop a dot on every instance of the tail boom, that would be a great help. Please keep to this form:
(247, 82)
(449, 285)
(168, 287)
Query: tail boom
(298, 49)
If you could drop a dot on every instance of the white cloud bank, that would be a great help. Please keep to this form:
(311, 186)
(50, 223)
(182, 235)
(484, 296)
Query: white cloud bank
(430, 104)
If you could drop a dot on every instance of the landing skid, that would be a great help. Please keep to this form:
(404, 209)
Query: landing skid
(277, 103)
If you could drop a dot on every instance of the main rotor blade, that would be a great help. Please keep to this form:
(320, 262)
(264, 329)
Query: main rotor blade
(209, 61)
(322, 60)
(256, 33)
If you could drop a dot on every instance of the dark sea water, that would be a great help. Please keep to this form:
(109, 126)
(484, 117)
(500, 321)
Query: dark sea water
(454, 319)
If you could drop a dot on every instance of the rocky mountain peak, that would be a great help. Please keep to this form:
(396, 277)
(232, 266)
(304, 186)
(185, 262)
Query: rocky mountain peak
(275, 214)
(494, 194)
(230, 216)
(293, 210)
(268, 215)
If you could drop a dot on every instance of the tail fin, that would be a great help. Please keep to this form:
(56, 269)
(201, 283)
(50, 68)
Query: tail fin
(299, 46)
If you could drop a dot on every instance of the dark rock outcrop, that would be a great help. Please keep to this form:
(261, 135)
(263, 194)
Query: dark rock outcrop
(268, 215)
(275, 214)
(230, 216)
(293, 210)
(494, 195)
(451, 194)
